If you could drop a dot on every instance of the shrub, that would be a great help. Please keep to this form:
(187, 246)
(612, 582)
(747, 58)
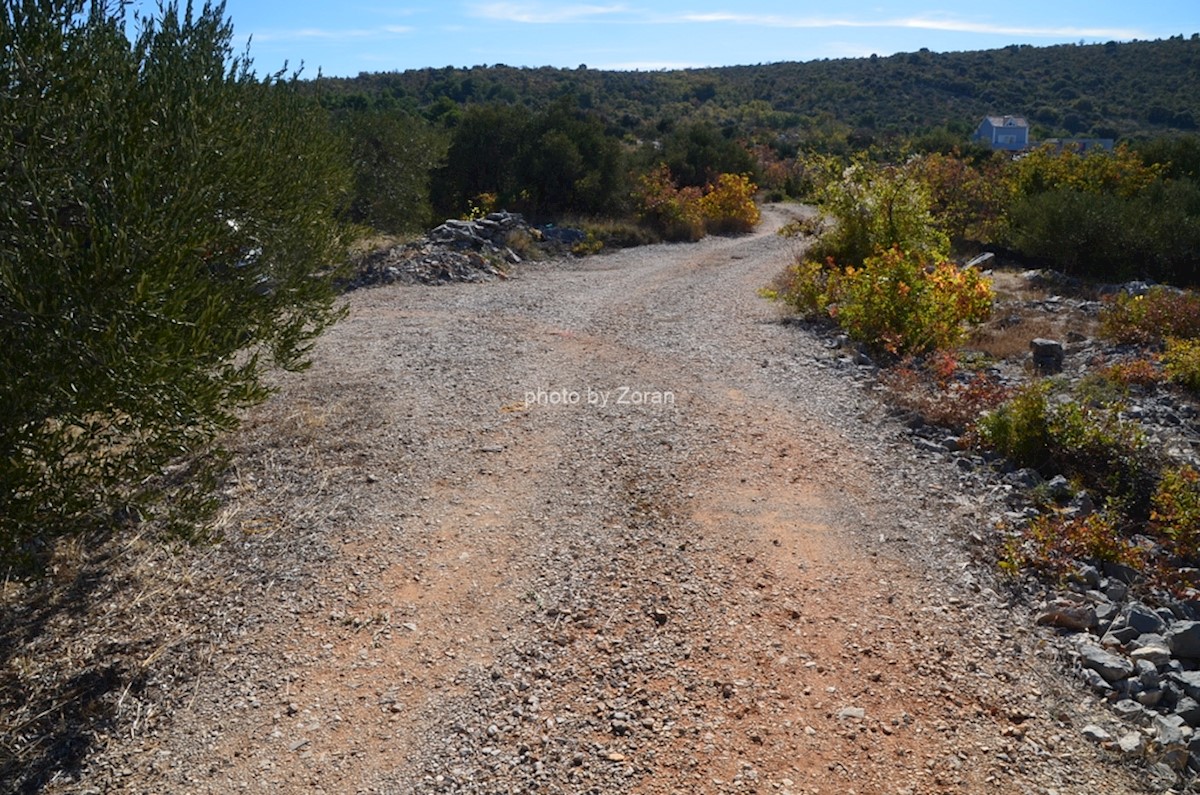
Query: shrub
(674, 212)
(688, 213)
(1181, 362)
(1080, 233)
(728, 205)
(166, 228)
(933, 390)
(1113, 384)
(1151, 318)
(808, 287)
(1104, 215)
(876, 208)
(1090, 444)
(1019, 430)
(1121, 172)
(615, 233)
(1136, 372)
(899, 303)
(1175, 514)
(1058, 544)
(967, 203)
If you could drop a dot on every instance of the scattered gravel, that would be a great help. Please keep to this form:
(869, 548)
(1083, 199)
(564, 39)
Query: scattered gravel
(611, 525)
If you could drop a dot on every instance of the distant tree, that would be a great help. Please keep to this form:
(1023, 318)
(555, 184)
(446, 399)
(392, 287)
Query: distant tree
(1179, 157)
(483, 156)
(698, 151)
(569, 164)
(392, 155)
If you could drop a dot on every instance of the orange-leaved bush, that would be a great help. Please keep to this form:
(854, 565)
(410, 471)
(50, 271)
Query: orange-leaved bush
(724, 207)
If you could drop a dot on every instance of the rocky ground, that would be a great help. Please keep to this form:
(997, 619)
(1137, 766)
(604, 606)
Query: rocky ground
(608, 525)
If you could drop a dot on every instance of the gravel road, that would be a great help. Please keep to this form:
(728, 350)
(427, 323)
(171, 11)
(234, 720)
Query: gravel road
(609, 526)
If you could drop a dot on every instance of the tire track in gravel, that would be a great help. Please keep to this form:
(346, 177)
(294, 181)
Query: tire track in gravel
(725, 592)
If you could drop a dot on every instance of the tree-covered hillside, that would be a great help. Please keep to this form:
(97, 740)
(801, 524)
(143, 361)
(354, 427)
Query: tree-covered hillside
(1118, 90)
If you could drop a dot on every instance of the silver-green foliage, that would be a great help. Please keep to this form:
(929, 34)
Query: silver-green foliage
(874, 208)
(166, 233)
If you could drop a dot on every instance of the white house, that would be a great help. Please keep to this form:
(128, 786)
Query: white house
(1010, 133)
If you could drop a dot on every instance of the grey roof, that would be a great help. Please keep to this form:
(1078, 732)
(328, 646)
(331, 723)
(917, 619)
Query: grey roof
(1002, 121)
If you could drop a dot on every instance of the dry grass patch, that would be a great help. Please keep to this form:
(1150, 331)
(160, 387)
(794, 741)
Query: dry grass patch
(1008, 334)
(1020, 316)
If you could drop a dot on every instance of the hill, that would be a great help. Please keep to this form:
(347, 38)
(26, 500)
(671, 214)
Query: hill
(1131, 90)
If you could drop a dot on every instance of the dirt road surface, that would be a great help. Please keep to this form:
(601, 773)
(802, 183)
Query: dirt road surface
(610, 526)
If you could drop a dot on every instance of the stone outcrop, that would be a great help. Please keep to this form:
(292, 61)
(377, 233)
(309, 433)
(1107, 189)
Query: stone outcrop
(461, 251)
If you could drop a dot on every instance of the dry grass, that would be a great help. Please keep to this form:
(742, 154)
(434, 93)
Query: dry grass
(1014, 323)
(85, 647)
(368, 241)
(1008, 334)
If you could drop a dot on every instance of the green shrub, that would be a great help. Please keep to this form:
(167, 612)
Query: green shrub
(1080, 233)
(1104, 216)
(875, 208)
(1181, 362)
(1019, 430)
(1090, 444)
(166, 233)
(807, 287)
(615, 233)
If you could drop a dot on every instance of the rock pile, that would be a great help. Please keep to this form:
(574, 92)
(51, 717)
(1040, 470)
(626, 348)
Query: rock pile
(456, 251)
(1145, 661)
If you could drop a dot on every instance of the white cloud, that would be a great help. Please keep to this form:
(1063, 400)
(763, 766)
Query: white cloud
(539, 14)
(327, 34)
(647, 66)
(916, 23)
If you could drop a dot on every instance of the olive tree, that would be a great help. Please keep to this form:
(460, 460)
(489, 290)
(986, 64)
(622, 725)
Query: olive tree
(167, 229)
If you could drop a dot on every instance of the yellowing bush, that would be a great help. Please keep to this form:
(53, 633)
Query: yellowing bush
(674, 212)
(1120, 172)
(728, 207)
(689, 213)
(896, 302)
(1181, 362)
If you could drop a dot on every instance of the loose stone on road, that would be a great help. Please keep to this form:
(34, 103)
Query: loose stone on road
(735, 579)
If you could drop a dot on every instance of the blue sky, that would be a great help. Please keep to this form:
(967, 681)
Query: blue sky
(351, 36)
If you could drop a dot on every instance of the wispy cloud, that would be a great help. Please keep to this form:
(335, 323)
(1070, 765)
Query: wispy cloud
(648, 66)
(333, 35)
(915, 23)
(543, 14)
